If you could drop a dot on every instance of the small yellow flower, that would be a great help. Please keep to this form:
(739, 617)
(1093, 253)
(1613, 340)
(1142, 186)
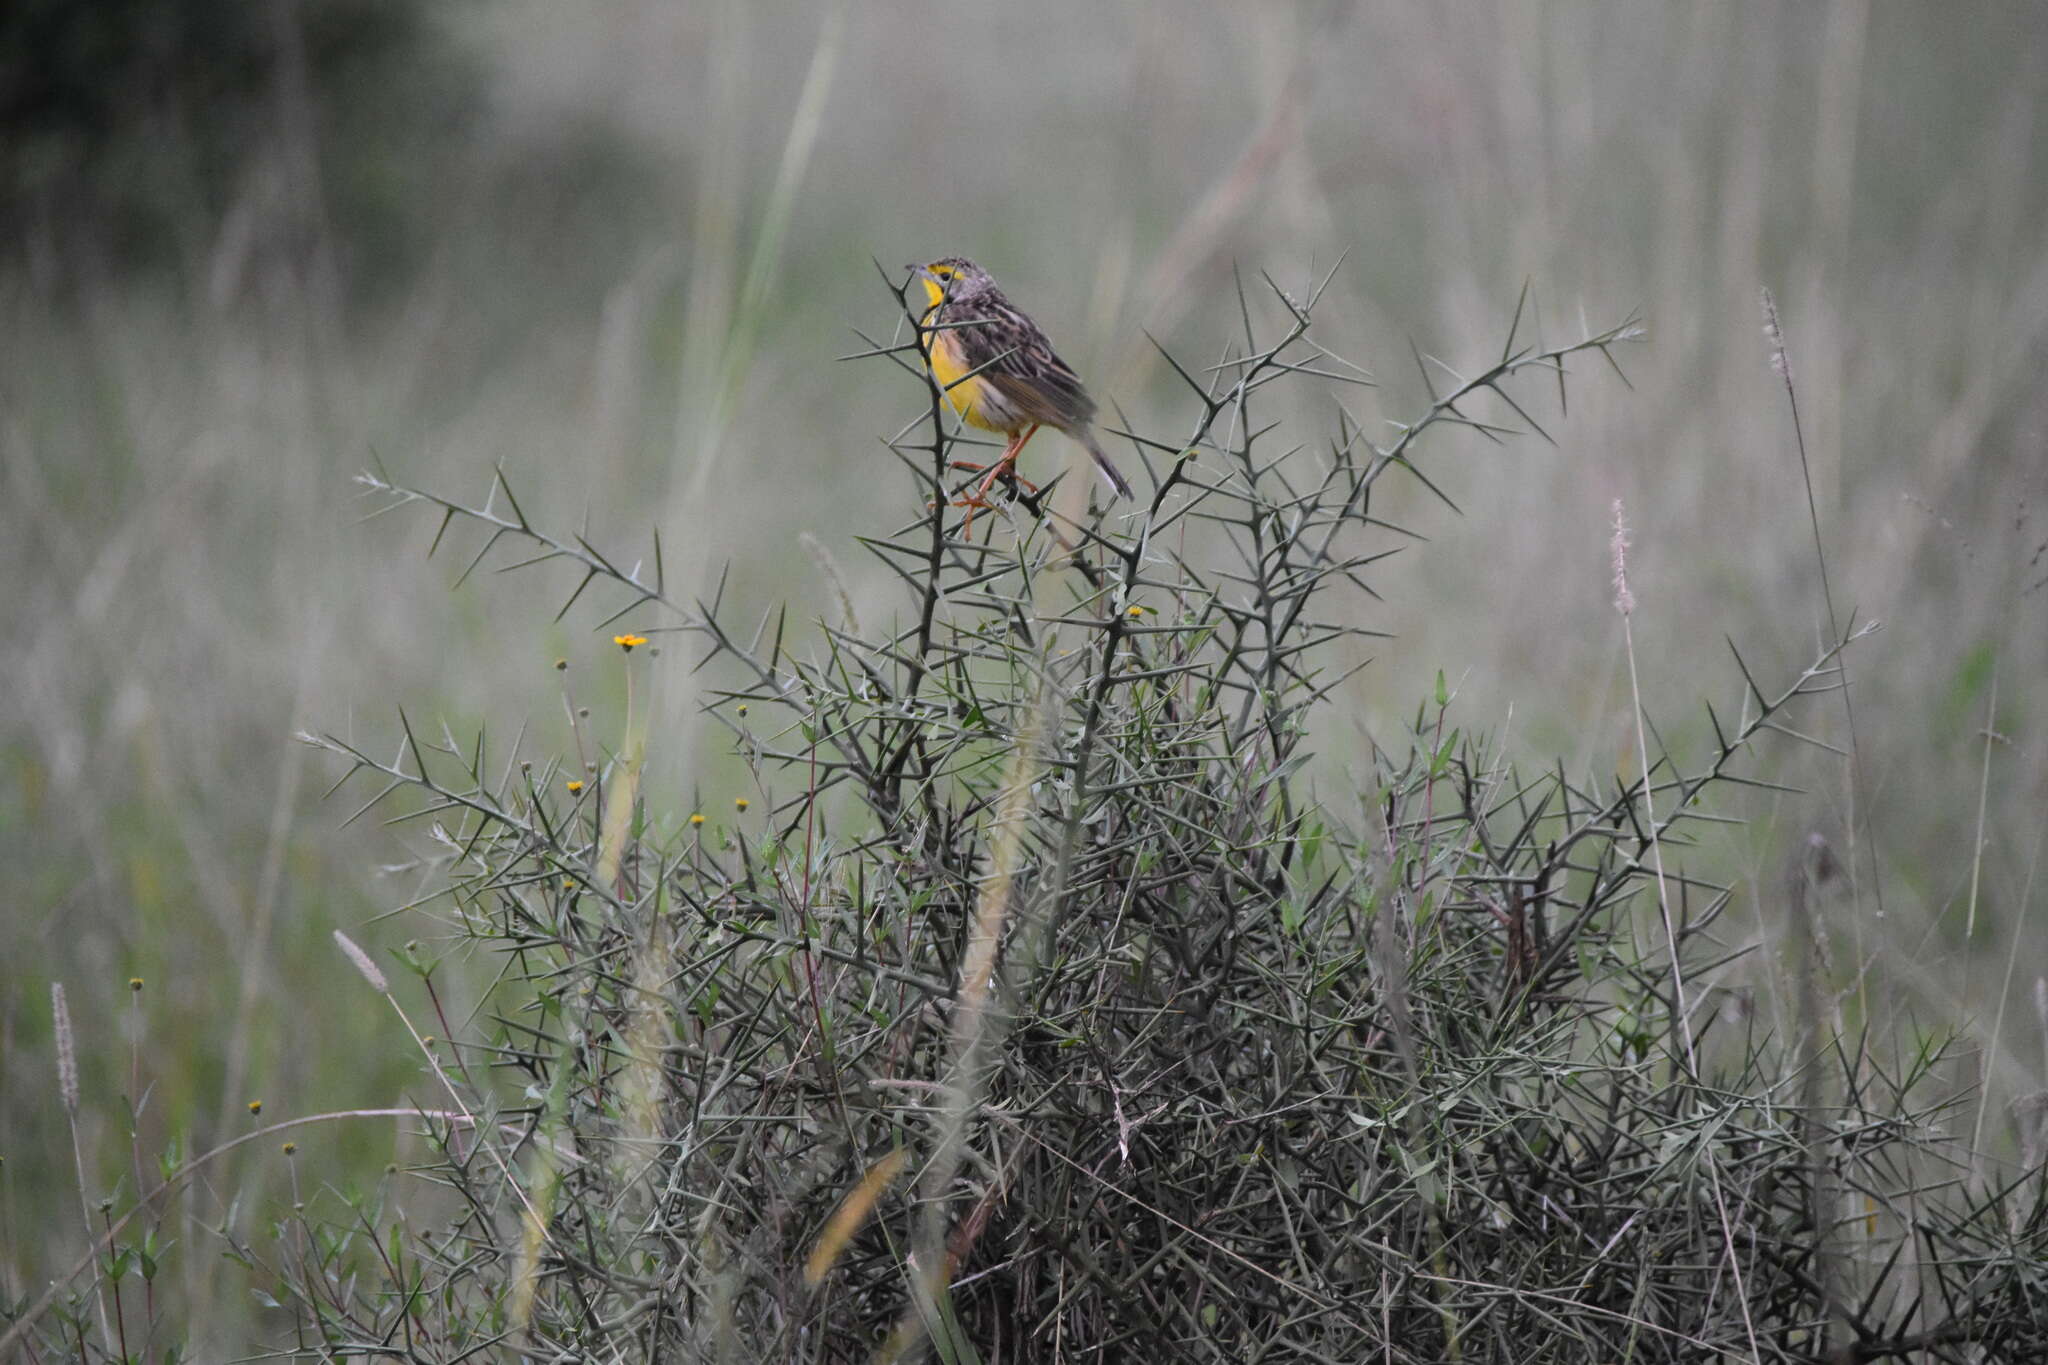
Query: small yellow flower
(696, 820)
(1135, 612)
(290, 1147)
(739, 803)
(134, 983)
(574, 786)
(255, 1106)
(626, 642)
(743, 708)
(568, 883)
(561, 665)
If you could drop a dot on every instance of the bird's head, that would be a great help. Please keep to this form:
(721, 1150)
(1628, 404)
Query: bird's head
(951, 277)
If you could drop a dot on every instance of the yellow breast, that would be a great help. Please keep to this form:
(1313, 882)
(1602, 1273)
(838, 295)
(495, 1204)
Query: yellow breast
(948, 365)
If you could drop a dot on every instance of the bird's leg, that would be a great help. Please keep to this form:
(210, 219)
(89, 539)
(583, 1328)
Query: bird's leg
(1005, 464)
(974, 468)
(1008, 463)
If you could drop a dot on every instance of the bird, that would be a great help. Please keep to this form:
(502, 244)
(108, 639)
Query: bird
(1000, 373)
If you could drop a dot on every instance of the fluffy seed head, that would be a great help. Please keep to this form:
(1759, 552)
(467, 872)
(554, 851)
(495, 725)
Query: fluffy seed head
(67, 1053)
(1624, 600)
(363, 963)
(1775, 335)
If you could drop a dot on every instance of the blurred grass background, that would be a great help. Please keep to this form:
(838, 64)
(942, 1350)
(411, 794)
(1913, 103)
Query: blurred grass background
(615, 251)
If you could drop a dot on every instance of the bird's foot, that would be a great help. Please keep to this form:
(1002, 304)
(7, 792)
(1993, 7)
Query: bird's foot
(1001, 469)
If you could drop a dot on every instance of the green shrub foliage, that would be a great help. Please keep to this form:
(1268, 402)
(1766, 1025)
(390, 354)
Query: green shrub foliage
(1051, 1000)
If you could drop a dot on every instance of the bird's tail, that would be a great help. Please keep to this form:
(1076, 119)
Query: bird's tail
(1111, 475)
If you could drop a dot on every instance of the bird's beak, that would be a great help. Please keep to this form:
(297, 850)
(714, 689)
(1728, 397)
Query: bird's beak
(917, 270)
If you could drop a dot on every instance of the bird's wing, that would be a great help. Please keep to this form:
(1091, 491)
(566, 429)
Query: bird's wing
(1021, 364)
